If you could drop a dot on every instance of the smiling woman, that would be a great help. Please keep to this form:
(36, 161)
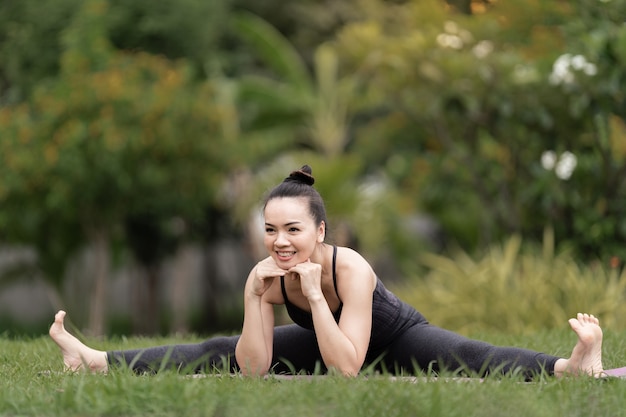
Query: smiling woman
(344, 317)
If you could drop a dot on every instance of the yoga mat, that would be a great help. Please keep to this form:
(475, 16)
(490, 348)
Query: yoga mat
(618, 372)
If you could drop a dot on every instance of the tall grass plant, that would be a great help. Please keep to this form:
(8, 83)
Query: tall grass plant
(515, 289)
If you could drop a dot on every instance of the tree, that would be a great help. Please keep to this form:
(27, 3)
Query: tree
(30, 46)
(591, 74)
(31, 43)
(466, 109)
(306, 23)
(117, 135)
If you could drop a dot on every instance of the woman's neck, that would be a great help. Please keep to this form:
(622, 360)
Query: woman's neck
(323, 255)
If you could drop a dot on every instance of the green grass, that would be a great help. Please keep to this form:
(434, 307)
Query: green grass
(32, 384)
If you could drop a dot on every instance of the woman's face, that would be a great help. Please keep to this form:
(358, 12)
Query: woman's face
(291, 234)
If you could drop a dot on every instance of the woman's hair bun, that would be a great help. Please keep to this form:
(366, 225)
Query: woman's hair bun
(303, 175)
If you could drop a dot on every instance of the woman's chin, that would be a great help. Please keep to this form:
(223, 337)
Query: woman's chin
(286, 263)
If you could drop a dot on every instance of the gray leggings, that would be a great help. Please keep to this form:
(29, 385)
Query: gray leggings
(420, 347)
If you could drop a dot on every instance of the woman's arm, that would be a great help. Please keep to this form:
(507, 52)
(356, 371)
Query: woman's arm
(254, 348)
(343, 346)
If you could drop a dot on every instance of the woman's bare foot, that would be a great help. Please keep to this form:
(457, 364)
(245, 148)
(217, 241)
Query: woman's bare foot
(76, 355)
(587, 354)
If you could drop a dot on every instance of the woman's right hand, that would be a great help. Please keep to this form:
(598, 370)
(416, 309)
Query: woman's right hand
(265, 273)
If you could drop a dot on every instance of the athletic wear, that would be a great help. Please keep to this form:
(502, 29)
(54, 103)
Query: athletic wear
(402, 342)
(305, 318)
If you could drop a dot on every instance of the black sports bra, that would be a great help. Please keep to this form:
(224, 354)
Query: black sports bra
(302, 317)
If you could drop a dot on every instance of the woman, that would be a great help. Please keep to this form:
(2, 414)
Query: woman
(345, 319)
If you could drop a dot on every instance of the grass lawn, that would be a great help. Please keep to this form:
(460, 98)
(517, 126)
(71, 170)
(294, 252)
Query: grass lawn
(32, 384)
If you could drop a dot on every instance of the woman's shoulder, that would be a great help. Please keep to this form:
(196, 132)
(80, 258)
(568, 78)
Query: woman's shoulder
(348, 255)
(351, 262)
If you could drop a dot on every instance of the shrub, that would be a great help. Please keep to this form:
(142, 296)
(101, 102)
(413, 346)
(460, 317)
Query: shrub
(515, 289)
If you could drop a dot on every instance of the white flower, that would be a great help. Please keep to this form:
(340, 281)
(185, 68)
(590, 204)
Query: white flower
(566, 165)
(578, 62)
(565, 66)
(548, 160)
(563, 166)
(482, 49)
(453, 37)
(449, 41)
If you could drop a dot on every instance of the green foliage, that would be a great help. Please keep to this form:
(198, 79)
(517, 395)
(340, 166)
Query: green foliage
(105, 141)
(115, 137)
(190, 29)
(592, 76)
(467, 105)
(30, 45)
(31, 35)
(460, 114)
(306, 23)
(317, 104)
(515, 290)
(399, 106)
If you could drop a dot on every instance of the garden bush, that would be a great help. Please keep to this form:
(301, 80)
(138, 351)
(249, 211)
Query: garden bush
(515, 288)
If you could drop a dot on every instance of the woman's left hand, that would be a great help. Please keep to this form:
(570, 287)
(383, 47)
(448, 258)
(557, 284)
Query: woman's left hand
(310, 275)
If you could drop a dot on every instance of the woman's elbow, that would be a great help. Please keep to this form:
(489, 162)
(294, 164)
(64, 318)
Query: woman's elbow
(349, 370)
(251, 366)
(248, 368)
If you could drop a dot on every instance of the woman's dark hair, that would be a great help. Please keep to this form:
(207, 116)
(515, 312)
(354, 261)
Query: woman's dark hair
(300, 184)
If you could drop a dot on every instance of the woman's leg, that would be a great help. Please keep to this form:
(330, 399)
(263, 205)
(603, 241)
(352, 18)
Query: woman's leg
(586, 356)
(76, 355)
(428, 347)
(296, 351)
(213, 354)
(424, 347)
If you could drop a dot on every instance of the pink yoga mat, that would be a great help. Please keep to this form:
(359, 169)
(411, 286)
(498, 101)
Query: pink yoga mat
(619, 372)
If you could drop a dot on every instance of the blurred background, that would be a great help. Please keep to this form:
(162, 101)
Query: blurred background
(473, 150)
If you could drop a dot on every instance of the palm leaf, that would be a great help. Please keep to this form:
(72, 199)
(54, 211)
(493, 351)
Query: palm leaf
(271, 94)
(274, 49)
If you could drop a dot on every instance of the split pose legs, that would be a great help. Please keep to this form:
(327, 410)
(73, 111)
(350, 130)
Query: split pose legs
(586, 357)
